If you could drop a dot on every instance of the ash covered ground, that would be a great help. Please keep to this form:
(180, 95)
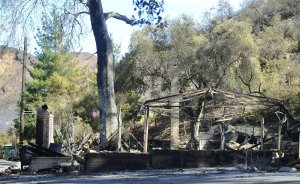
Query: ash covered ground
(170, 176)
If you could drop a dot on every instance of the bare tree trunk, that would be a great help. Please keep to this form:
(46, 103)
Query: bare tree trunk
(105, 77)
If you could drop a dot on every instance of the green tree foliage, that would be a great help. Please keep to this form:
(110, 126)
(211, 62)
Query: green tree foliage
(87, 102)
(29, 126)
(261, 13)
(54, 74)
(4, 139)
(255, 50)
(167, 52)
(228, 57)
(272, 45)
(131, 109)
(163, 56)
(70, 131)
(56, 80)
(129, 77)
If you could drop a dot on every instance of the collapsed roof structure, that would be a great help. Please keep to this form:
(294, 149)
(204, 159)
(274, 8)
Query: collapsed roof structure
(220, 107)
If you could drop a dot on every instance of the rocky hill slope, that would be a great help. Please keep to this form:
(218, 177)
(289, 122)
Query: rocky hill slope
(11, 61)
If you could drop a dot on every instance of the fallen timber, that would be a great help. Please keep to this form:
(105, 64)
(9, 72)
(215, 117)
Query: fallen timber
(178, 158)
(33, 150)
(40, 158)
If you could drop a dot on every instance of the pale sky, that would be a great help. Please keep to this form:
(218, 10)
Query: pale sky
(121, 31)
(173, 8)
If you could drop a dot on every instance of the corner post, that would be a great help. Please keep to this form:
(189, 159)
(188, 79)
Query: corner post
(299, 143)
(146, 126)
(279, 136)
(222, 137)
(262, 133)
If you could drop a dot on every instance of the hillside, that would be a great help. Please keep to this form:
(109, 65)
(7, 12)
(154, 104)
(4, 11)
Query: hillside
(86, 60)
(10, 85)
(11, 80)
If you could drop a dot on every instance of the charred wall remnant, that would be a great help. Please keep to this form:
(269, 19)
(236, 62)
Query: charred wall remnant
(95, 162)
(165, 159)
(161, 159)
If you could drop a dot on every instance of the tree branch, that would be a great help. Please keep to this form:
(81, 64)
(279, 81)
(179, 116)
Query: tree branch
(120, 17)
(248, 84)
(91, 56)
(76, 14)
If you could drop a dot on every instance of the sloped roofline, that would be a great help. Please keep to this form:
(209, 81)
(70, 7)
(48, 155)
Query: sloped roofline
(180, 97)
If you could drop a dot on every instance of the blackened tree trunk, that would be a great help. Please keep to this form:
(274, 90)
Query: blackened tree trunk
(105, 77)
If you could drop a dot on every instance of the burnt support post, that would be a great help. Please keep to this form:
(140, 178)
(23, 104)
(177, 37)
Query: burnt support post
(279, 136)
(174, 142)
(119, 130)
(298, 142)
(262, 133)
(200, 146)
(146, 126)
(174, 120)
